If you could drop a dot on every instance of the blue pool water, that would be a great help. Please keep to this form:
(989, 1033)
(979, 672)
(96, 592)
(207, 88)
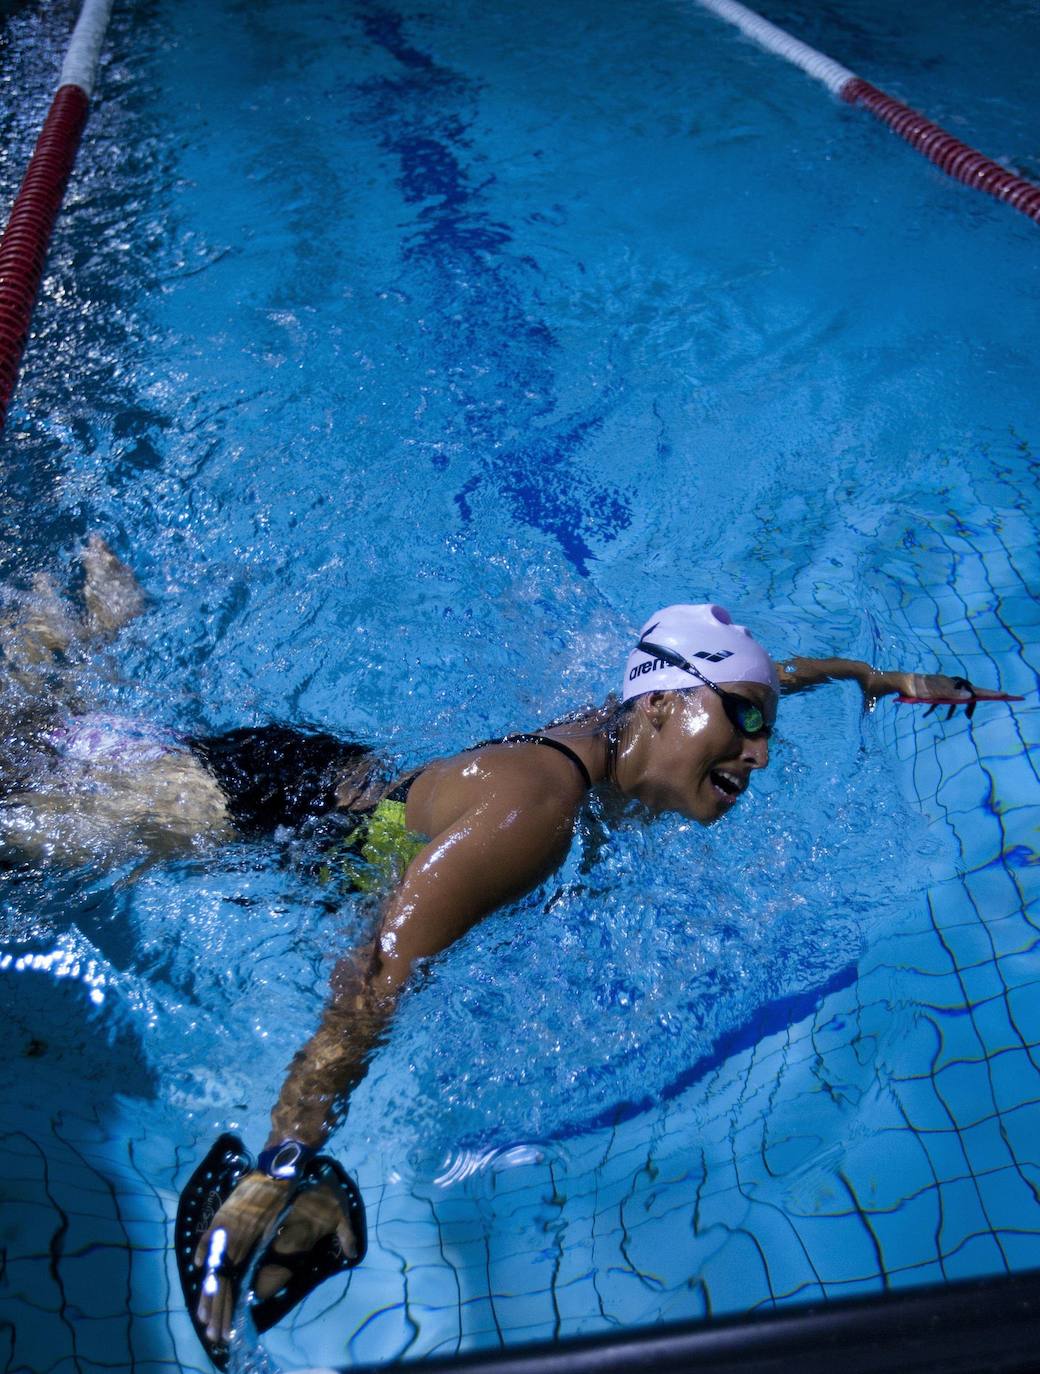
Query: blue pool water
(412, 357)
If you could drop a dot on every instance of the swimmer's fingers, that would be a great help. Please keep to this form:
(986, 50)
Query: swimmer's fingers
(216, 1308)
(246, 1219)
(950, 692)
(981, 693)
(217, 1311)
(217, 1295)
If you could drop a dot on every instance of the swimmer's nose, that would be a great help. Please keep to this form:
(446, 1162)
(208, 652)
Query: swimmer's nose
(756, 752)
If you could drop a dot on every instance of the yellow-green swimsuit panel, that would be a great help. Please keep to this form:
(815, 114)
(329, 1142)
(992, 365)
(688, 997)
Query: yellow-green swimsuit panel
(387, 849)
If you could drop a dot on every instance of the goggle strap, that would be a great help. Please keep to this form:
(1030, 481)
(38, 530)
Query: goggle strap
(676, 660)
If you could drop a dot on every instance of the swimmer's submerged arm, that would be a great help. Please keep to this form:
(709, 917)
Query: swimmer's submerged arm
(492, 855)
(798, 674)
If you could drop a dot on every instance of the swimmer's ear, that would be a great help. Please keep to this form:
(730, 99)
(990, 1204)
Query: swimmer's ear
(657, 707)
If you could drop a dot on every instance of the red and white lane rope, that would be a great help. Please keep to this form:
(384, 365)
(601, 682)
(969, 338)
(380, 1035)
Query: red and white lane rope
(949, 153)
(23, 247)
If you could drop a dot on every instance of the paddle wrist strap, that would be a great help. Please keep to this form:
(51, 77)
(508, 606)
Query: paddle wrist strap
(285, 1161)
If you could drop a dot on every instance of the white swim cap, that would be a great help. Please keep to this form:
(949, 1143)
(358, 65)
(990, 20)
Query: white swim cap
(705, 635)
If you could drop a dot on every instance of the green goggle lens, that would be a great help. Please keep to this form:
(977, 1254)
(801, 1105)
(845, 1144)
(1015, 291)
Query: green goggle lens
(748, 718)
(744, 715)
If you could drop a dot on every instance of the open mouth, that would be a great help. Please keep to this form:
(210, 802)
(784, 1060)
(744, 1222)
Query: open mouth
(727, 784)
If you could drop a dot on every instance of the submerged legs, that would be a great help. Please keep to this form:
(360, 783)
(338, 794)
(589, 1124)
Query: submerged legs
(77, 785)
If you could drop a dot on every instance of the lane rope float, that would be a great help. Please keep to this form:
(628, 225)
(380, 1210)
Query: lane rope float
(957, 159)
(23, 247)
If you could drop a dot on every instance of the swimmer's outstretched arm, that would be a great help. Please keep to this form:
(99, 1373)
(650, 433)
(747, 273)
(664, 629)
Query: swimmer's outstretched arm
(489, 856)
(799, 674)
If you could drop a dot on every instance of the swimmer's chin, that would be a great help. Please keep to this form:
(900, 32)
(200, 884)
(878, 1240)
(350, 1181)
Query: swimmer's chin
(713, 818)
(652, 810)
(707, 821)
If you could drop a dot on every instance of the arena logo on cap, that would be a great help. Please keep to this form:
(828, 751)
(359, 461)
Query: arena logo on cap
(649, 665)
(719, 656)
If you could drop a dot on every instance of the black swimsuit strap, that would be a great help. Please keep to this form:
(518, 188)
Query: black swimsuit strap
(401, 790)
(551, 743)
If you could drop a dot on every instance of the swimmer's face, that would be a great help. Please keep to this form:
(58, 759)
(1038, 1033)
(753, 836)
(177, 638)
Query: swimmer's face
(687, 755)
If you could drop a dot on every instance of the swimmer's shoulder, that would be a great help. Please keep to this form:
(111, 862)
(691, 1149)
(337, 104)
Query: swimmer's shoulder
(493, 778)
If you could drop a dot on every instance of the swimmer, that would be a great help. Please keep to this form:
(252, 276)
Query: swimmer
(444, 845)
(471, 833)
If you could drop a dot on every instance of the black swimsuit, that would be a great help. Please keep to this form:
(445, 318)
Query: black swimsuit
(400, 792)
(272, 775)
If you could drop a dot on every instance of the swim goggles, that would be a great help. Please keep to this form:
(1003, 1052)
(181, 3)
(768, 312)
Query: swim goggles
(744, 715)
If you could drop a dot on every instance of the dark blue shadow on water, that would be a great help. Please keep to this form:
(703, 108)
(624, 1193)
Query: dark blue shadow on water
(768, 1019)
(495, 358)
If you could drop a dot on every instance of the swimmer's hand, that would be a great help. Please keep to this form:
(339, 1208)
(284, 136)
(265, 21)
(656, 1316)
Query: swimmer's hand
(111, 592)
(935, 689)
(249, 1218)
